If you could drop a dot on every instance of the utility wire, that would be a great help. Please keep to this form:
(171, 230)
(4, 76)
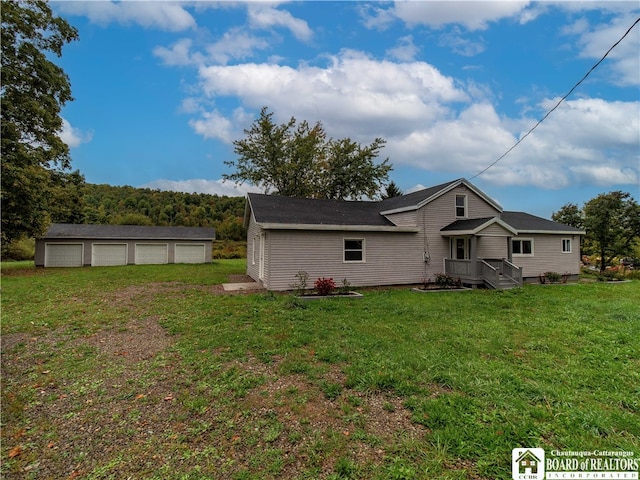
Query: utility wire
(559, 102)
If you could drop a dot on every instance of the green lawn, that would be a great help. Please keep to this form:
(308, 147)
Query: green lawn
(151, 372)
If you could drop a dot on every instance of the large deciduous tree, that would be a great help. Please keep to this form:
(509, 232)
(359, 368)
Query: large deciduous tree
(33, 91)
(612, 222)
(297, 160)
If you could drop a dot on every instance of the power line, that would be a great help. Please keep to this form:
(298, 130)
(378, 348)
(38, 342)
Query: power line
(559, 102)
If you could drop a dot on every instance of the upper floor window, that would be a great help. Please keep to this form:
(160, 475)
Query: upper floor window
(461, 206)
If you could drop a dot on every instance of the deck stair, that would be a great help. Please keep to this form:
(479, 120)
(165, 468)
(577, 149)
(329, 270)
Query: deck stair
(506, 283)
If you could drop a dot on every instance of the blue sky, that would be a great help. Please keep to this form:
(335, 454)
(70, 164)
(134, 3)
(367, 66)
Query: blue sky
(163, 88)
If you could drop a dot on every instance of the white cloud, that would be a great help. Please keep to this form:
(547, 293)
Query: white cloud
(605, 175)
(214, 125)
(179, 54)
(473, 15)
(163, 15)
(584, 140)
(200, 185)
(405, 50)
(266, 16)
(391, 96)
(623, 60)
(460, 45)
(418, 111)
(72, 136)
(235, 44)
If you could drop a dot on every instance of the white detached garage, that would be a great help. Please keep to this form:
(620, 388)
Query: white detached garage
(69, 245)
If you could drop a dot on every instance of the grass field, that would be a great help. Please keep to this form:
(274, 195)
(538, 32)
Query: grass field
(153, 372)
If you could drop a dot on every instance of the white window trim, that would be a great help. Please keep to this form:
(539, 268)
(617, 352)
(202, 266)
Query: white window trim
(253, 250)
(562, 245)
(455, 205)
(364, 249)
(524, 240)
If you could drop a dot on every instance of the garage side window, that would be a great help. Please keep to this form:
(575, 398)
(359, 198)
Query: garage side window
(566, 245)
(354, 250)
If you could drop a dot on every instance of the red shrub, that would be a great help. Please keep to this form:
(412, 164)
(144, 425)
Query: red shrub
(324, 286)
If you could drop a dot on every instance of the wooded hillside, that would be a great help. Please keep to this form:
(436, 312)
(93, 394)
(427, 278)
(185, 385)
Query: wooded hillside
(106, 204)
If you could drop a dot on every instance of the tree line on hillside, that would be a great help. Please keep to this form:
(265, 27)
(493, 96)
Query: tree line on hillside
(106, 204)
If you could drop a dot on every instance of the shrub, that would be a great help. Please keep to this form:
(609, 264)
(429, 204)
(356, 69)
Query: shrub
(444, 280)
(610, 275)
(553, 277)
(22, 249)
(345, 288)
(302, 278)
(324, 286)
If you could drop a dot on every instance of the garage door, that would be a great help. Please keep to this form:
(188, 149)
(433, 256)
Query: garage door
(108, 254)
(190, 253)
(152, 253)
(63, 255)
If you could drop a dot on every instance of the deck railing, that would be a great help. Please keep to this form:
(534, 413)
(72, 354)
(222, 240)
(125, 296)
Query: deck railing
(487, 270)
(511, 271)
(457, 268)
(489, 273)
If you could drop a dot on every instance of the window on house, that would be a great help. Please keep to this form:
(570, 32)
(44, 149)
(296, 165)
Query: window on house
(522, 247)
(566, 245)
(461, 206)
(354, 250)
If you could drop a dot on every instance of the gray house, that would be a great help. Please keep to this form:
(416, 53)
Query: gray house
(452, 228)
(68, 245)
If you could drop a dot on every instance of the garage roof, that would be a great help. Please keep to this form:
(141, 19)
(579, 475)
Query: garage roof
(122, 232)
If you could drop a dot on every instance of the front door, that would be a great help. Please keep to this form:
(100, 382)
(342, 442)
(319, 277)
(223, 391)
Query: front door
(460, 248)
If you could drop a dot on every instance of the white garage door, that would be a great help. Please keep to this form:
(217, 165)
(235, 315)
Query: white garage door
(108, 254)
(190, 253)
(152, 253)
(63, 255)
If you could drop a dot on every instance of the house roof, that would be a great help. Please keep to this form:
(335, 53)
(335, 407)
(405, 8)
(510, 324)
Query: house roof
(274, 209)
(68, 230)
(472, 226)
(527, 223)
(416, 200)
(516, 222)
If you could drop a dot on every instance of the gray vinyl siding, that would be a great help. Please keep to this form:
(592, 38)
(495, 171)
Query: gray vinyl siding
(393, 258)
(404, 219)
(390, 258)
(439, 213)
(253, 248)
(548, 256)
(493, 247)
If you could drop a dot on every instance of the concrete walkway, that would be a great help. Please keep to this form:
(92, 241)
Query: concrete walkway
(237, 287)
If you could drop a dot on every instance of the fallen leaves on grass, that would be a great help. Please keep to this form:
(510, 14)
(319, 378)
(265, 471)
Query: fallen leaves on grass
(15, 451)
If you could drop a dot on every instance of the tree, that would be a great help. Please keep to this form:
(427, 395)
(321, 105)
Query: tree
(33, 92)
(391, 190)
(612, 222)
(296, 159)
(570, 214)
